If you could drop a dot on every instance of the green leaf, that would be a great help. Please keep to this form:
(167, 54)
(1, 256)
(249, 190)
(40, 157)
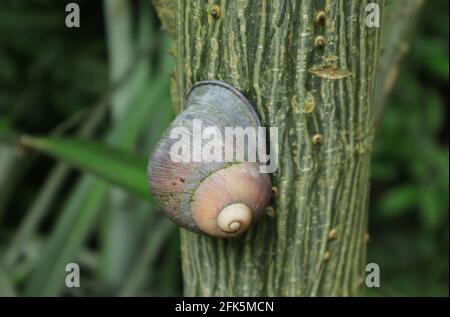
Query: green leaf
(38, 210)
(114, 165)
(433, 115)
(67, 237)
(140, 273)
(6, 286)
(5, 127)
(433, 209)
(399, 201)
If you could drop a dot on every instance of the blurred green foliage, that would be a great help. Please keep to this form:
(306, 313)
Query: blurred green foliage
(57, 89)
(54, 82)
(410, 170)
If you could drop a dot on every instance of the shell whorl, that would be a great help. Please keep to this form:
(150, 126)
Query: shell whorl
(234, 218)
(233, 187)
(221, 199)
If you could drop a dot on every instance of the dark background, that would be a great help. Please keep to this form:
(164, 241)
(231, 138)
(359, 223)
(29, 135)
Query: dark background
(53, 80)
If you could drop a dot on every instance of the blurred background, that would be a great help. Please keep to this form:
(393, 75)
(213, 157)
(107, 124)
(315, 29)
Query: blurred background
(81, 108)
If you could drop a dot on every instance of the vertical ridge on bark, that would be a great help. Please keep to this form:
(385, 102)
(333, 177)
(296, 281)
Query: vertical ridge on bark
(266, 49)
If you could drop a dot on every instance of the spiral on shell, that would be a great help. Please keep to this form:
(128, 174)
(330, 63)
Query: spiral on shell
(218, 198)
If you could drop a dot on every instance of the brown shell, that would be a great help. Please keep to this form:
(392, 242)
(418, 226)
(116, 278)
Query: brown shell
(193, 193)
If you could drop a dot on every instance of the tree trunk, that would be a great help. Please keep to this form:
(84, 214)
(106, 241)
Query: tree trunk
(313, 79)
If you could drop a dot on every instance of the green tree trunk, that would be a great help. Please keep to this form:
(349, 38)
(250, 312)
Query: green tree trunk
(314, 79)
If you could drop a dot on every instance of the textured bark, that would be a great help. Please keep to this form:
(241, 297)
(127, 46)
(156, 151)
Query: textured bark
(315, 243)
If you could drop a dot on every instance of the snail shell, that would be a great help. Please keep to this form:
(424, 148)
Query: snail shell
(221, 199)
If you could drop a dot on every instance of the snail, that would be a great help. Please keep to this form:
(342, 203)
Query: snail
(220, 198)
